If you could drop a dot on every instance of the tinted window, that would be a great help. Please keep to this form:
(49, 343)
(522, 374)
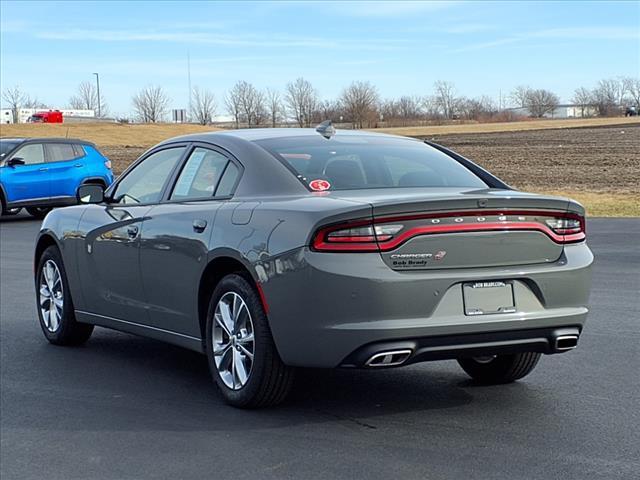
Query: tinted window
(31, 154)
(144, 184)
(353, 162)
(79, 151)
(228, 181)
(59, 152)
(6, 146)
(200, 175)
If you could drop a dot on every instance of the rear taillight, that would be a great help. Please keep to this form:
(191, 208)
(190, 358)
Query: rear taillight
(387, 233)
(107, 163)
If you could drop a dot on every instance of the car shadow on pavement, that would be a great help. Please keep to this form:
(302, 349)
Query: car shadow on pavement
(122, 382)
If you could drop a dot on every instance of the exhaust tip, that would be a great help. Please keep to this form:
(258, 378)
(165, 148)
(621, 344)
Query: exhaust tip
(389, 358)
(566, 342)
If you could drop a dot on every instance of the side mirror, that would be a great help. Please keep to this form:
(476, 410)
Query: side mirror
(90, 193)
(15, 161)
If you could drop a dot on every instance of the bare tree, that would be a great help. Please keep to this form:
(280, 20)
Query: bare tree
(203, 106)
(583, 98)
(151, 104)
(302, 100)
(520, 95)
(15, 99)
(86, 98)
(541, 102)
(633, 88)
(274, 105)
(233, 102)
(444, 93)
(430, 107)
(607, 96)
(475, 108)
(359, 101)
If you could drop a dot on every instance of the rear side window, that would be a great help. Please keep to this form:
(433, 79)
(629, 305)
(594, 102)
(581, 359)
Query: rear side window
(79, 151)
(59, 152)
(228, 180)
(200, 175)
(354, 162)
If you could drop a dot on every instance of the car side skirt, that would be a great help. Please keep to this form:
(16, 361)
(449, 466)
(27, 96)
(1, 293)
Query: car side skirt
(185, 341)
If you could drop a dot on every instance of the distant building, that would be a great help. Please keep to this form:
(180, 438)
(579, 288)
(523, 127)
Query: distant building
(561, 111)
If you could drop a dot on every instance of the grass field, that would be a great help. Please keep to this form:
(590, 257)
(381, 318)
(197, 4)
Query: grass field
(595, 161)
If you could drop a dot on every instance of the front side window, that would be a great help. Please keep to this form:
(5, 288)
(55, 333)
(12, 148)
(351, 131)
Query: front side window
(365, 162)
(59, 152)
(31, 154)
(146, 181)
(200, 175)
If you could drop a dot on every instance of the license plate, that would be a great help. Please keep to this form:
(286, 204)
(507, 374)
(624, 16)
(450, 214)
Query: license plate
(484, 298)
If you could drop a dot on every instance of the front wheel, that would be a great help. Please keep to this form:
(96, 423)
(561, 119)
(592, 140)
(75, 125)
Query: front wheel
(55, 307)
(38, 212)
(496, 369)
(242, 356)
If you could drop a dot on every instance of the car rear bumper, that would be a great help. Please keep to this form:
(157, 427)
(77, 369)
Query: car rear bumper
(326, 309)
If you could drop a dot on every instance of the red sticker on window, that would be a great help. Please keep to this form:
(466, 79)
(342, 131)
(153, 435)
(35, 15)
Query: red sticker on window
(319, 185)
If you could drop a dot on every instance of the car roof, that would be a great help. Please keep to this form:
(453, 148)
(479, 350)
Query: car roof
(257, 134)
(47, 140)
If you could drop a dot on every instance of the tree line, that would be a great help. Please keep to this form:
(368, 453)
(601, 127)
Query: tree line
(359, 104)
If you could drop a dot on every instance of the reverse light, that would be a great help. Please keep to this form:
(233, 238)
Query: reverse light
(107, 163)
(564, 226)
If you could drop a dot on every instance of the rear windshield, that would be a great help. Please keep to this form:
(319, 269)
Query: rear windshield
(351, 162)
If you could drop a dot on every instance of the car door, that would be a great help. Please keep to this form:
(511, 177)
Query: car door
(64, 168)
(175, 238)
(109, 264)
(30, 181)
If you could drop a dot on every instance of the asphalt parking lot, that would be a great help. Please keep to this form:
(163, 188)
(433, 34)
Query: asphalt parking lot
(127, 407)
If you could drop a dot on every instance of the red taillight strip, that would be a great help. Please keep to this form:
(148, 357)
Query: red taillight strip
(320, 243)
(485, 227)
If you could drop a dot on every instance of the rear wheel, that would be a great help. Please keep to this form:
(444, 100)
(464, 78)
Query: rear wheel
(38, 212)
(242, 356)
(500, 368)
(55, 307)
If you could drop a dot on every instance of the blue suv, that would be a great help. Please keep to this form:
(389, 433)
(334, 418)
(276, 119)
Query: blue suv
(42, 173)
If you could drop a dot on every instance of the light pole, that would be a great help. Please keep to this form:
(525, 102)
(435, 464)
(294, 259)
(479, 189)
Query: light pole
(98, 84)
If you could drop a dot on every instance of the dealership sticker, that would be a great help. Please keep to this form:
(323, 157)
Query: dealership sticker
(319, 185)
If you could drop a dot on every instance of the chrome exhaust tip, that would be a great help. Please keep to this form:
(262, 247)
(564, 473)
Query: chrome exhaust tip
(566, 342)
(390, 358)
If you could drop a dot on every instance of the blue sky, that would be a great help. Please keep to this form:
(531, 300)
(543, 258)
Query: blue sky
(48, 48)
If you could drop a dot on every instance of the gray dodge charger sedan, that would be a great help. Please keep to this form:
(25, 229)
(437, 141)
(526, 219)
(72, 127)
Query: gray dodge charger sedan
(271, 249)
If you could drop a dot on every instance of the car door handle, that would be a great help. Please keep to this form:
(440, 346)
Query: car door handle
(78, 165)
(199, 225)
(132, 231)
(43, 169)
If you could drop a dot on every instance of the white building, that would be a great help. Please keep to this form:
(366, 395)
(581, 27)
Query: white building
(561, 111)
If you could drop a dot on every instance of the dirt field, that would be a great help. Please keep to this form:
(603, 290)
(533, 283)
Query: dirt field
(597, 165)
(543, 124)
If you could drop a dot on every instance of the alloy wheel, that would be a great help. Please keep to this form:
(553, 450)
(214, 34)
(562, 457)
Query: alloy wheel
(233, 340)
(51, 296)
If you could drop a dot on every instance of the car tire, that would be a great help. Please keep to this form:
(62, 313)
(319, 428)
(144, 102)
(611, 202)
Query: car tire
(54, 303)
(38, 212)
(500, 368)
(237, 327)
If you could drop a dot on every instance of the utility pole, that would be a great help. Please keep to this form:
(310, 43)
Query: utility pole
(99, 102)
(189, 80)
